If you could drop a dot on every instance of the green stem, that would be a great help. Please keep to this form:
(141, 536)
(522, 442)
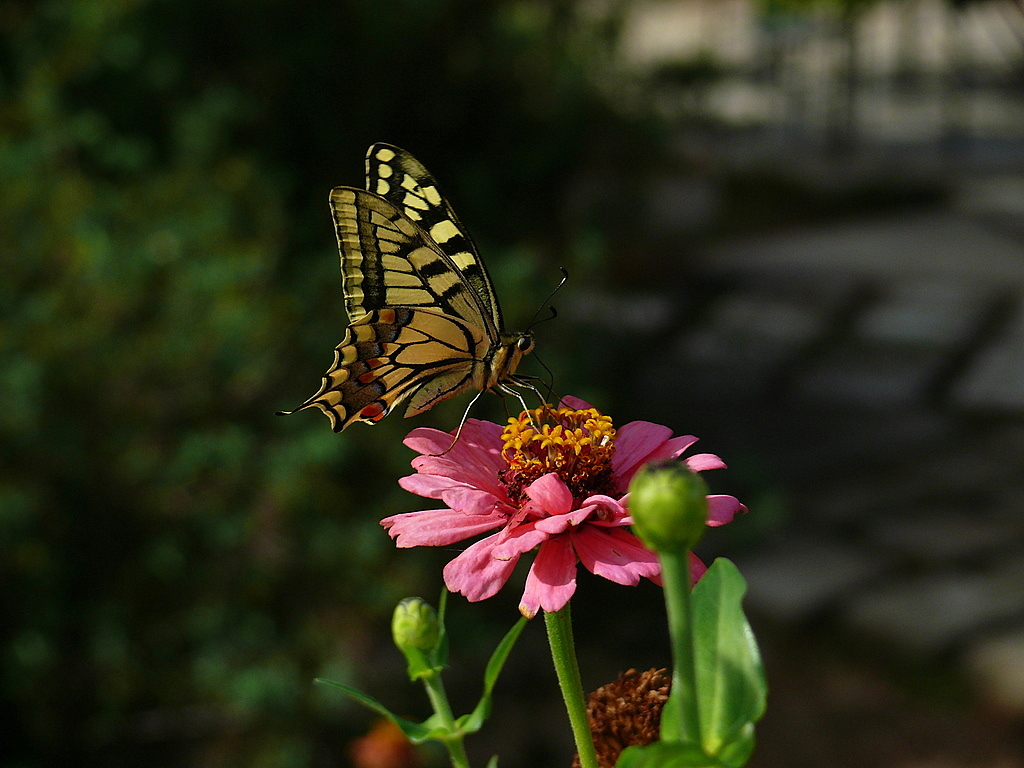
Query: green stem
(563, 654)
(443, 710)
(681, 717)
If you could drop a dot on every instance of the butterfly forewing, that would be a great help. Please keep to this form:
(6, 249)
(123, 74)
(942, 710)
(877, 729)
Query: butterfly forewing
(402, 180)
(388, 261)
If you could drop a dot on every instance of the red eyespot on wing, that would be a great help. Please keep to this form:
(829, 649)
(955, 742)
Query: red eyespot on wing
(366, 378)
(373, 412)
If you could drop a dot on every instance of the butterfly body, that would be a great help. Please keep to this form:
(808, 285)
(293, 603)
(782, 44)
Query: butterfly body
(424, 321)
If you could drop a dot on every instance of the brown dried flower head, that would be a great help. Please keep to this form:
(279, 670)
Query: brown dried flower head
(626, 712)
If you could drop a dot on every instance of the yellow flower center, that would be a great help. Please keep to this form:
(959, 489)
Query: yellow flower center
(578, 445)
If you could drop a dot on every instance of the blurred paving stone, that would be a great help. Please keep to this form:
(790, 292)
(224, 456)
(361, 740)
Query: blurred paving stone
(995, 670)
(999, 199)
(995, 380)
(722, 362)
(1005, 438)
(932, 246)
(837, 446)
(620, 313)
(859, 326)
(821, 292)
(944, 536)
(747, 337)
(794, 579)
(856, 502)
(925, 313)
(873, 378)
(927, 614)
(682, 205)
(965, 466)
(1008, 575)
(766, 317)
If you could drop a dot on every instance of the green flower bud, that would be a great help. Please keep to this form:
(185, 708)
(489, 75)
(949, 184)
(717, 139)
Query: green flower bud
(416, 631)
(414, 625)
(669, 506)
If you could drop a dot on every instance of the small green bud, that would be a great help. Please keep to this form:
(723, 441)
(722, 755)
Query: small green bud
(416, 631)
(669, 506)
(415, 625)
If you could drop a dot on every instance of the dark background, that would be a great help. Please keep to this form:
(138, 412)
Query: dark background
(178, 564)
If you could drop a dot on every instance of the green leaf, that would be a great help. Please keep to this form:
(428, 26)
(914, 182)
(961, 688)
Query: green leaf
(417, 733)
(737, 751)
(731, 685)
(493, 762)
(472, 722)
(667, 755)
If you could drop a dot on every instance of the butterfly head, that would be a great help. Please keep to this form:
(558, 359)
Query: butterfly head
(524, 344)
(506, 357)
(520, 345)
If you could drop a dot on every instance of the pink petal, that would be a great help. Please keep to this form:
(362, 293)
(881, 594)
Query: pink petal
(635, 441)
(430, 486)
(575, 403)
(520, 540)
(604, 510)
(427, 440)
(476, 475)
(474, 460)
(476, 573)
(552, 578)
(476, 435)
(703, 461)
(668, 449)
(615, 554)
(437, 527)
(549, 495)
(557, 524)
(722, 509)
(472, 501)
(673, 448)
(697, 569)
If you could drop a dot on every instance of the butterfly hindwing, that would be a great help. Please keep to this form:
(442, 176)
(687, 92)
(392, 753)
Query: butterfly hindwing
(392, 354)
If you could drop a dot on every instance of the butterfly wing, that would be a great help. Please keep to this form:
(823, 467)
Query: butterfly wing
(393, 354)
(387, 260)
(402, 180)
(418, 329)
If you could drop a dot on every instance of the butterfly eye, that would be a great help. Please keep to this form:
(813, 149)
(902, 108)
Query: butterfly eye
(525, 344)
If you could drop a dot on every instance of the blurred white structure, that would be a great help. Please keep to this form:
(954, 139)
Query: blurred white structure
(891, 70)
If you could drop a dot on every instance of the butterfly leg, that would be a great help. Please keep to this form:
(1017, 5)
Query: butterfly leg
(527, 383)
(517, 394)
(458, 432)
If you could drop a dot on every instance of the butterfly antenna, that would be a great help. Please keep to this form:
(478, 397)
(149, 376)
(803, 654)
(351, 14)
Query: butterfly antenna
(458, 432)
(533, 320)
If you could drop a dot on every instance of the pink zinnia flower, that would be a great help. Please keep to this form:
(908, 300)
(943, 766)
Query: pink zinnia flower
(553, 480)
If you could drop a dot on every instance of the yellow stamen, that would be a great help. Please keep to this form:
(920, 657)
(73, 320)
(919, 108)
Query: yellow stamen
(577, 444)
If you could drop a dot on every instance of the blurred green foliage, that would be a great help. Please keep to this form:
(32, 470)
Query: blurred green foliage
(177, 563)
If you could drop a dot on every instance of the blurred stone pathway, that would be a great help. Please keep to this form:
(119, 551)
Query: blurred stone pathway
(880, 367)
